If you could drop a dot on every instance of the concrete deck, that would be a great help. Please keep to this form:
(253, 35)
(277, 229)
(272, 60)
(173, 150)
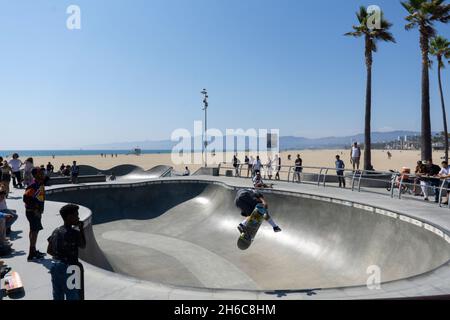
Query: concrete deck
(393, 224)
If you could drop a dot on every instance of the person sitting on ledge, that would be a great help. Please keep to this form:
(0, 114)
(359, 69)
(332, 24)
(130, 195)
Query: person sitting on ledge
(258, 183)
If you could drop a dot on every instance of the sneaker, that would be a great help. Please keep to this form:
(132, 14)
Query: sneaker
(426, 199)
(241, 228)
(276, 229)
(40, 254)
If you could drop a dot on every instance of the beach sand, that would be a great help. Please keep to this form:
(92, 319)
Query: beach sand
(313, 158)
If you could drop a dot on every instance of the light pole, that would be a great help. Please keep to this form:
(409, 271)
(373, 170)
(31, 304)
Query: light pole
(205, 108)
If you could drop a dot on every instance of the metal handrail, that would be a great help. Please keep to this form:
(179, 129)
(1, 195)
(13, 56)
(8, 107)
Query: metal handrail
(356, 176)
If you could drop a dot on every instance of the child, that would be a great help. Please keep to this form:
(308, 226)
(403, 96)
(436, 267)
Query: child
(63, 246)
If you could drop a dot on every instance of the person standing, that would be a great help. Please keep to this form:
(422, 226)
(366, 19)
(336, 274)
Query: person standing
(433, 172)
(269, 167)
(6, 173)
(298, 168)
(74, 172)
(340, 166)
(16, 164)
(278, 164)
(247, 163)
(236, 165)
(355, 156)
(27, 177)
(257, 166)
(34, 199)
(63, 246)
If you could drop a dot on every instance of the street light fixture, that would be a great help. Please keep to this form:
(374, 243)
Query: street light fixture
(205, 141)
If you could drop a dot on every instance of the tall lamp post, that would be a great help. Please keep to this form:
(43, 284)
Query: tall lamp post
(205, 108)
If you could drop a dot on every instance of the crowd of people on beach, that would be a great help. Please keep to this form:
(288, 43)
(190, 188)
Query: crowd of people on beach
(64, 242)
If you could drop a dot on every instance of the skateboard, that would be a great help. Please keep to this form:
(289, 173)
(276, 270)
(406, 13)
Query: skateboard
(254, 223)
(13, 283)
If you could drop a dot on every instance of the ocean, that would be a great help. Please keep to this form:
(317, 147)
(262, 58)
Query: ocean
(60, 153)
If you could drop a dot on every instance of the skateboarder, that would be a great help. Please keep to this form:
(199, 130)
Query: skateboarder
(247, 200)
(261, 209)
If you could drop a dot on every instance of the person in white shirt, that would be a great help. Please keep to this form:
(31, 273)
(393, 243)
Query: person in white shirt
(15, 163)
(269, 168)
(355, 156)
(444, 174)
(257, 166)
(187, 172)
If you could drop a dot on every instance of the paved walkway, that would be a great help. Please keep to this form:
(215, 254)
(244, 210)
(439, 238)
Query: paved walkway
(101, 284)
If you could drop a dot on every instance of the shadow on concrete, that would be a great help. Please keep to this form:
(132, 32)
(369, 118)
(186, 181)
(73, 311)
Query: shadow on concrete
(14, 235)
(46, 262)
(285, 293)
(14, 254)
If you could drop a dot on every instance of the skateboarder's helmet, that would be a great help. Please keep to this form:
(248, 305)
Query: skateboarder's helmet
(261, 209)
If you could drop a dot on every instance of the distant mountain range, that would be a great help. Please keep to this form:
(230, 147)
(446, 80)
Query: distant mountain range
(286, 143)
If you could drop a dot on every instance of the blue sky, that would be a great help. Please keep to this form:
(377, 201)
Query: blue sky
(136, 68)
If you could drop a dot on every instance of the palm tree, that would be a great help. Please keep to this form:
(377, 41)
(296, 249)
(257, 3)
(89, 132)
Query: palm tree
(423, 14)
(371, 37)
(440, 48)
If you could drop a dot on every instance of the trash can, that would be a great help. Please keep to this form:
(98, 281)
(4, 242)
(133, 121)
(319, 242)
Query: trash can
(215, 172)
(229, 173)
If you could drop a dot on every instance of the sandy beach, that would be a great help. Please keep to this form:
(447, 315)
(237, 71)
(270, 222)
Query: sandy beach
(313, 158)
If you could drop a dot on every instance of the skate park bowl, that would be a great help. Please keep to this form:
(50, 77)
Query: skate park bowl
(183, 233)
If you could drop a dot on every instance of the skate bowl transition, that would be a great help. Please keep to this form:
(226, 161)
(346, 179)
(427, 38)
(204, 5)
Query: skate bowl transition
(183, 234)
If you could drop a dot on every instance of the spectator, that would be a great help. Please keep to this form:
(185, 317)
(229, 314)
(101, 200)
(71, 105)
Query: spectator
(424, 180)
(340, 166)
(417, 179)
(298, 168)
(63, 246)
(16, 164)
(257, 166)
(236, 165)
(27, 177)
(278, 163)
(10, 215)
(444, 174)
(61, 169)
(249, 166)
(251, 163)
(187, 172)
(389, 154)
(66, 171)
(289, 157)
(5, 172)
(355, 156)
(433, 172)
(269, 167)
(74, 172)
(50, 168)
(34, 199)
(258, 183)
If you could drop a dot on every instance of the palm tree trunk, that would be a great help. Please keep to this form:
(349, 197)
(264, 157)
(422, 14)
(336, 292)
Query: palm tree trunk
(444, 113)
(427, 150)
(368, 116)
(367, 124)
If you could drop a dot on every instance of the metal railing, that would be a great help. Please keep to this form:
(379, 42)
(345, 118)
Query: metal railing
(391, 183)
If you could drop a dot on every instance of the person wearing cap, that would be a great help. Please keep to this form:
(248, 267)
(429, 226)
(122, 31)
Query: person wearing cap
(355, 156)
(63, 246)
(247, 200)
(262, 210)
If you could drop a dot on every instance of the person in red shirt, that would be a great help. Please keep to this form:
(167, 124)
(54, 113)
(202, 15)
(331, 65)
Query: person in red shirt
(34, 199)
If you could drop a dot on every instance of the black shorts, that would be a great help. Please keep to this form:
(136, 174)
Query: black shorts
(35, 221)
